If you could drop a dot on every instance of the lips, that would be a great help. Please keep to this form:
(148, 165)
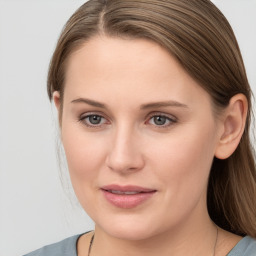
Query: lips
(127, 196)
(124, 192)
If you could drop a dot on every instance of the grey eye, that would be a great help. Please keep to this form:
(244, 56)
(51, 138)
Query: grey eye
(160, 120)
(94, 119)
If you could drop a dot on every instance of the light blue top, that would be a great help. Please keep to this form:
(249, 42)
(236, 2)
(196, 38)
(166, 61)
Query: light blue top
(67, 247)
(246, 247)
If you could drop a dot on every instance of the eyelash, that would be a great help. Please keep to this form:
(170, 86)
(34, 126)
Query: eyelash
(83, 118)
(171, 120)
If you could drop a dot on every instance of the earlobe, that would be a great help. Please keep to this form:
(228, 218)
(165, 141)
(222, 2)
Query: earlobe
(233, 126)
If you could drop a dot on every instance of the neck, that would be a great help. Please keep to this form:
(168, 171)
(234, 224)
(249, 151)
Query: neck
(179, 241)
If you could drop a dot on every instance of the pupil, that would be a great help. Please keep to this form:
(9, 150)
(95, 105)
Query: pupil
(94, 119)
(159, 120)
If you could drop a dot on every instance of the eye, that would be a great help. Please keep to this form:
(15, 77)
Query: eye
(161, 120)
(93, 120)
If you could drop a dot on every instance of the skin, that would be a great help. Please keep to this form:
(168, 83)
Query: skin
(121, 81)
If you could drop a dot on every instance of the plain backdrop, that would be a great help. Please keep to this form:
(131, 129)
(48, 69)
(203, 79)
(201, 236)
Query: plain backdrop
(34, 208)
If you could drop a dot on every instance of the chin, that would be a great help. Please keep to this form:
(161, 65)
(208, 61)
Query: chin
(129, 229)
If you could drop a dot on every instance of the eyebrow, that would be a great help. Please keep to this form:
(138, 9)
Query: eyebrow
(159, 104)
(89, 102)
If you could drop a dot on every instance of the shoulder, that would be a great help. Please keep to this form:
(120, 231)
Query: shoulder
(66, 247)
(246, 247)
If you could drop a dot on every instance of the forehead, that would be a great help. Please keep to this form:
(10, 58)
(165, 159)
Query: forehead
(108, 66)
(113, 53)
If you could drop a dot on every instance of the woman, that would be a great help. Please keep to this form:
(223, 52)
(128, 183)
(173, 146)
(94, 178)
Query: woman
(154, 110)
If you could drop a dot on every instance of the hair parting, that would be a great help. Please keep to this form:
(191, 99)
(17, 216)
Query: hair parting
(198, 35)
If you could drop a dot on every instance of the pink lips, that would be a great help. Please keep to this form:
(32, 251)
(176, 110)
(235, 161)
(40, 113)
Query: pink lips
(126, 196)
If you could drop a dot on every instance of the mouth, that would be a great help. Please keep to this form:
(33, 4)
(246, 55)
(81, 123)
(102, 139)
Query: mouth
(124, 192)
(127, 196)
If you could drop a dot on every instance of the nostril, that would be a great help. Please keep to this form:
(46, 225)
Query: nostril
(125, 164)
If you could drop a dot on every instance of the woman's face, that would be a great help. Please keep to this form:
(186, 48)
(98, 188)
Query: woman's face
(139, 136)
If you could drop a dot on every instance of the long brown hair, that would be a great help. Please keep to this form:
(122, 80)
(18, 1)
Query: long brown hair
(197, 34)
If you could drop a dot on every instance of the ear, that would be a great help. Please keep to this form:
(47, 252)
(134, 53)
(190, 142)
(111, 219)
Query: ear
(233, 124)
(57, 103)
(56, 99)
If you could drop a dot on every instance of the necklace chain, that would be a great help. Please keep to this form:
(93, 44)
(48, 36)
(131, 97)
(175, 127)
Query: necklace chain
(90, 246)
(216, 240)
(214, 249)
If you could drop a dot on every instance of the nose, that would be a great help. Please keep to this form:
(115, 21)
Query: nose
(125, 154)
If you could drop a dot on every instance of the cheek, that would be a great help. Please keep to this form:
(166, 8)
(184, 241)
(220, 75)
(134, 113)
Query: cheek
(184, 161)
(85, 155)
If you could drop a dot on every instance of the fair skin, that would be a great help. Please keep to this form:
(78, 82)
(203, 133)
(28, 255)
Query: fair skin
(133, 116)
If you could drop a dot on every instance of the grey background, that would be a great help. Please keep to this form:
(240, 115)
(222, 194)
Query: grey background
(34, 208)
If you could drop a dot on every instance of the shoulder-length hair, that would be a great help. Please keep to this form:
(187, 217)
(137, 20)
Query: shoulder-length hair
(197, 34)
